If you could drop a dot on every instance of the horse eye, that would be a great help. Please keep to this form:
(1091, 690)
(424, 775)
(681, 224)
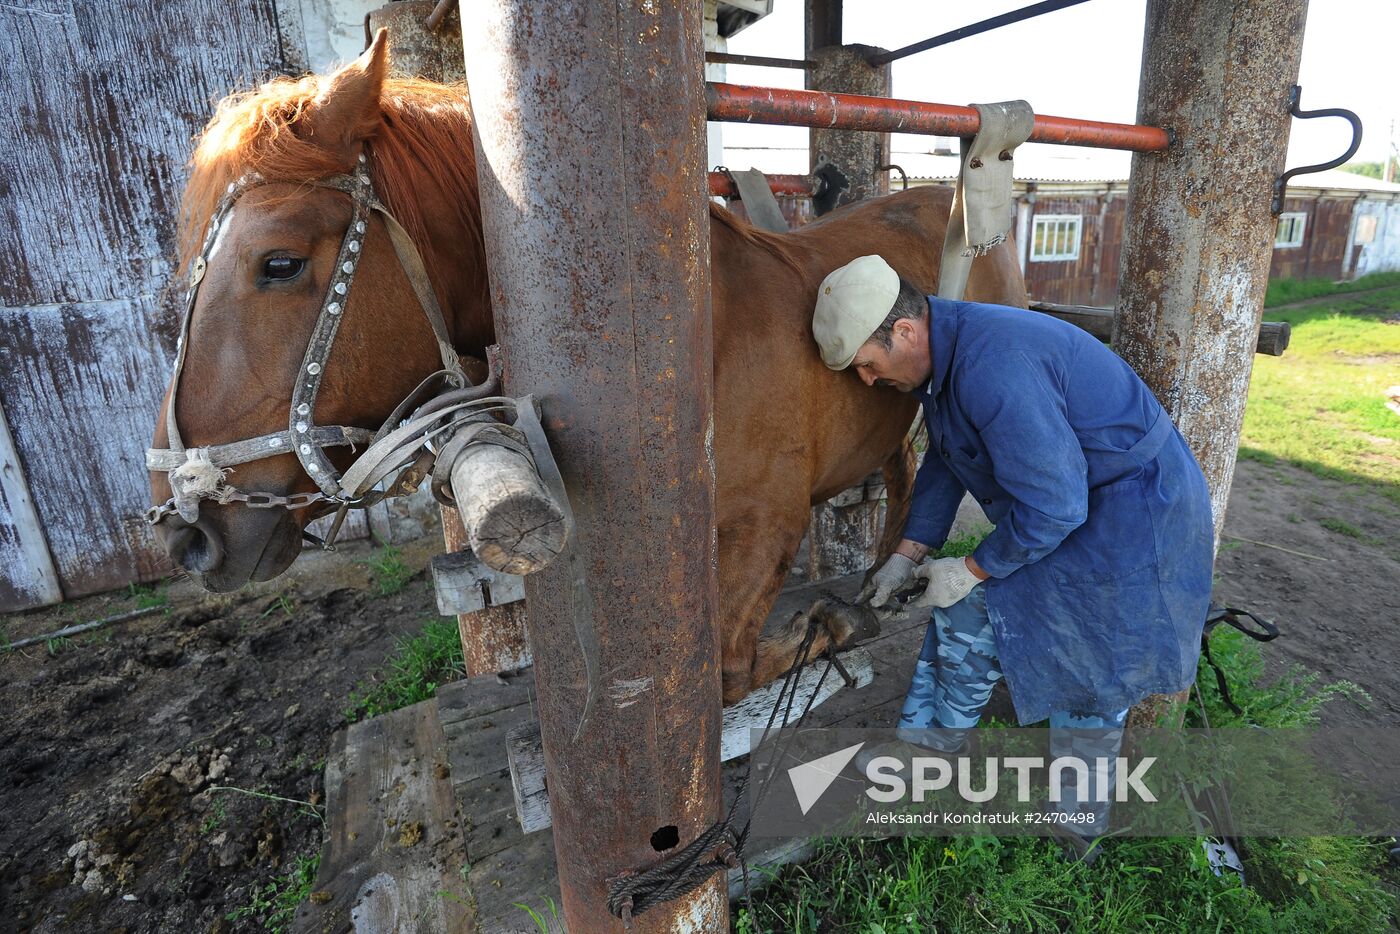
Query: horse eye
(282, 268)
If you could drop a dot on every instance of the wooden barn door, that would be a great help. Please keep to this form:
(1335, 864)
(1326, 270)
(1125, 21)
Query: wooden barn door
(104, 98)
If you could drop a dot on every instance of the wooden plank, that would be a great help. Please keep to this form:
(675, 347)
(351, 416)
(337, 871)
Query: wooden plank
(482, 695)
(494, 639)
(476, 746)
(27, 574)
(524, 874)
(464, 585)
(392, 859)
(82, 385)
(526, 753)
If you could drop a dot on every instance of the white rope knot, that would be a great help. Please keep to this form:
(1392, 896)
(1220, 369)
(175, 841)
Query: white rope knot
(194, 480)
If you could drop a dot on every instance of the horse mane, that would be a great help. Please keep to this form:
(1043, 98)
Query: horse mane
(422, 145)
(775, 244)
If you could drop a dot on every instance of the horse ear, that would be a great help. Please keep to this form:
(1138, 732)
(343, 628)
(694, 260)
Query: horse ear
(347, 111)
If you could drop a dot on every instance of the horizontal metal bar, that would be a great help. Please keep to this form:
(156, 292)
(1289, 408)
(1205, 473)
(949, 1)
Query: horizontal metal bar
(722, 186)
(725, 58)
(784, 107)
(986, 25)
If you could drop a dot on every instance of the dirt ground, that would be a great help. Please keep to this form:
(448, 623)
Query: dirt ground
(109, 746)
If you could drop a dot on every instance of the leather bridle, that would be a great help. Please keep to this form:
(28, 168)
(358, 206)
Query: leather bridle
(445, 401)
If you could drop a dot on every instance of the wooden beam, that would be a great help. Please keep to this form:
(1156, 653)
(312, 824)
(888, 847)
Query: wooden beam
(1273, 335)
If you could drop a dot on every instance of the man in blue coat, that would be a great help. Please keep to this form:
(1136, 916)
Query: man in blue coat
(1091, 592)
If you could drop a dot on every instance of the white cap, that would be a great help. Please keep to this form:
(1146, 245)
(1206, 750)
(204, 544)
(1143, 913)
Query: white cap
(852, 302)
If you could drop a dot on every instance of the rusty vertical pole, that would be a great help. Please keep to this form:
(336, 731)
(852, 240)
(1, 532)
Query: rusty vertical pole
(1199, 233)
(590, 135)
(493, 638)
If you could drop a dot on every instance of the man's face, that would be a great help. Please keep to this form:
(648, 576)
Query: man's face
(901, 366)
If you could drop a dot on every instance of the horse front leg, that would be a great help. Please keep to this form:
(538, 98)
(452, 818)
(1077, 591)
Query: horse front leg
(756, 551)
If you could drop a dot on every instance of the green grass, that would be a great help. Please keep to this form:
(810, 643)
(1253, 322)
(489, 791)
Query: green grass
(983, 883)
(1342, 528)
(1283, 291)
(148, 595)
(273, 905)
(1321, 406)
(419, 664)
(389, 571)
(963, 545)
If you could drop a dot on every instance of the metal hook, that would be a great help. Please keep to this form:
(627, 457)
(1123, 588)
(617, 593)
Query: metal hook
(894, 168)
(1294, 98)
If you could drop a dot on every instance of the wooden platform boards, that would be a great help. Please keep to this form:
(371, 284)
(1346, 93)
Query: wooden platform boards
(504, 868)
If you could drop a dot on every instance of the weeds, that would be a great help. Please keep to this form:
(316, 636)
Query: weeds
(419, 664)
(274, 904)
(282, 602)
(1342, 528)
(58, 645)
(389, 571)
(963, 545)
(217, 812)
(538, 917)
(305, 808)
(148, 595)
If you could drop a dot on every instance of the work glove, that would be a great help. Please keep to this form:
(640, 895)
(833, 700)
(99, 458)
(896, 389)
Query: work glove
(893, 575)
(949, 580)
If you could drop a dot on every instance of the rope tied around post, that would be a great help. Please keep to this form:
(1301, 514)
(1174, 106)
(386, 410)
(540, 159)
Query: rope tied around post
(721, 845)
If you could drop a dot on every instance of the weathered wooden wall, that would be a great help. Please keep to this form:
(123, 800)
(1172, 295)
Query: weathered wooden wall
(105, 98)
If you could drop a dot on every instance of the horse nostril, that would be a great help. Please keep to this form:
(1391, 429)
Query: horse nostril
(196, 547)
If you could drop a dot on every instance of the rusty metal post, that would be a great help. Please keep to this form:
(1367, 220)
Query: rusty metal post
(857, 154)
(415, 48)
(1199, 232)
(493, 638)
(591, 160)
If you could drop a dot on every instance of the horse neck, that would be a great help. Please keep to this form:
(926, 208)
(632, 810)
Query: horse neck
(456, 264)
(449, 238)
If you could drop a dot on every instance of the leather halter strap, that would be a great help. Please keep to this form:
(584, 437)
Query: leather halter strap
(198, 473)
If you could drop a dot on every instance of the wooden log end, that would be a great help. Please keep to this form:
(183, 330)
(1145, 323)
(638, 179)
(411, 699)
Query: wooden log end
(520, 534)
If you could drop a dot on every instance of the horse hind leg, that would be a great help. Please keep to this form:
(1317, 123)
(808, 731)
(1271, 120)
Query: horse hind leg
(839, 625)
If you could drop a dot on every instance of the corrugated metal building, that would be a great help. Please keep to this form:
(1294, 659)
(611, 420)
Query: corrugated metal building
(1071, 204)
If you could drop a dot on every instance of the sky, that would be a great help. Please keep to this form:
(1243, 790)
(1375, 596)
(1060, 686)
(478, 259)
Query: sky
(1083, 62)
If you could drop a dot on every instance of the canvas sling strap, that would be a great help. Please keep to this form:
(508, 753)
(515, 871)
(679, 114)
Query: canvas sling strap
(758, 200)
(981, 214)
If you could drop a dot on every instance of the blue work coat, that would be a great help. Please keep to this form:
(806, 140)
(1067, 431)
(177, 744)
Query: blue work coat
(1102, 553)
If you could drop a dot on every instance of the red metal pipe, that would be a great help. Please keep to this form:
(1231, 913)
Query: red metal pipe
(783, 107)
(722, 186)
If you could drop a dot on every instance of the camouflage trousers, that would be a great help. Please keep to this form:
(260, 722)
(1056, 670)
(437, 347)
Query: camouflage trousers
(953, 680)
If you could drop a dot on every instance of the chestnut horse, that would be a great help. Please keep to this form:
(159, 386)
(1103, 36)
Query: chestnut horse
(788, 431)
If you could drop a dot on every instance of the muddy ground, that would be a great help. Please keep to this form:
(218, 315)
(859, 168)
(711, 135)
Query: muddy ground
(109, 745)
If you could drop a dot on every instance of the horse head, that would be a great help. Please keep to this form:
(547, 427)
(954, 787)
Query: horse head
(279, 216)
